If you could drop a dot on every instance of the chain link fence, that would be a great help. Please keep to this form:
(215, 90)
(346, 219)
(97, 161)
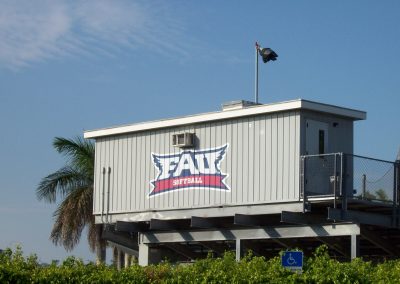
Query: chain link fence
(349, 175)
(373, 179)
(321, 174)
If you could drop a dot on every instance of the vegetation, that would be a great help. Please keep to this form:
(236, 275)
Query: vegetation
(319, 268)
(378, 195)
(72, 187)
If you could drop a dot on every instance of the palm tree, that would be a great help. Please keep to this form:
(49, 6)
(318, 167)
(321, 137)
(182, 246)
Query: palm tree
(73, 186)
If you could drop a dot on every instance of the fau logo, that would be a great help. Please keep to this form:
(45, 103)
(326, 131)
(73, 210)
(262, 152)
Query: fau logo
(189, 169)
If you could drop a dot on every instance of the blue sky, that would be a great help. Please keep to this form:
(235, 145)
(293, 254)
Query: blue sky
(70, 66)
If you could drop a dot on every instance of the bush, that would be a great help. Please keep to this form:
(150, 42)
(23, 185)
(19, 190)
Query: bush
(320, 268)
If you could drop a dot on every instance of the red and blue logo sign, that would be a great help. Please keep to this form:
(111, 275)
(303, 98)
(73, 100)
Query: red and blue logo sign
(190, 169)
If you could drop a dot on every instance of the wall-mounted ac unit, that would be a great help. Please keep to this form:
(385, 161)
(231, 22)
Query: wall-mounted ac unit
(183, 140)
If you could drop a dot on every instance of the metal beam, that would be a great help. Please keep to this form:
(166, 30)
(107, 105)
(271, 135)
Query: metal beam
(273, 232)
(286, 243)
(331, 243)
(124, 249)
(302, 218)
(378, 241)
(360, 217)
(250, 220)
(253, 246)
(217, 211)
(131, 227)
(123, 239)
(158, 224)
(203, 222)
(219, 249)
(182, 250)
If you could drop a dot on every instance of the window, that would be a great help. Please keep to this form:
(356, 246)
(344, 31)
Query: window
(321, 142)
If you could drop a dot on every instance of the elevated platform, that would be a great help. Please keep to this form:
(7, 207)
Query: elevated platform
(353, 218)
(365, 229)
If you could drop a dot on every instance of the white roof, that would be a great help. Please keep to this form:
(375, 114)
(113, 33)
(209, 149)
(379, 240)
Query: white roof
(298, 104)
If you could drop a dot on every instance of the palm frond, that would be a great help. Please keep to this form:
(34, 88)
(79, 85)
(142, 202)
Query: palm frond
(61, 183)
(74, 185)
(80, 152)
(94, 235)
(73, 214)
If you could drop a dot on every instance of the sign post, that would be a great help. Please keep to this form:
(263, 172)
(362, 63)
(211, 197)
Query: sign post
(293, 260)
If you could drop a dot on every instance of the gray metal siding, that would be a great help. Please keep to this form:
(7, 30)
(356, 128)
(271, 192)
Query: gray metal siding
(340, 138)
(262, 163)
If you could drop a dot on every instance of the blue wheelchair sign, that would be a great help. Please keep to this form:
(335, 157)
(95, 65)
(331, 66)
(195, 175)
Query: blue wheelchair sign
(292, 260)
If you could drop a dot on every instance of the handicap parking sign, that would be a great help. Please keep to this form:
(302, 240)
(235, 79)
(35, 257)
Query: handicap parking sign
(292, 260)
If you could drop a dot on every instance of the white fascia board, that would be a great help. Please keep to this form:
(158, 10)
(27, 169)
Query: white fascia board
(346, 112)
(253, 110)
(214, 116)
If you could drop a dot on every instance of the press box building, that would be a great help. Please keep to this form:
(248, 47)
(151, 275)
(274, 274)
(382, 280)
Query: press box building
(260, 177)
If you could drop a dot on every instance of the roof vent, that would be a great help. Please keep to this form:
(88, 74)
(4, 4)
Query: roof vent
(237, 105)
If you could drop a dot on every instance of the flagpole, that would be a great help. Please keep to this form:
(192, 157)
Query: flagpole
(256, 79)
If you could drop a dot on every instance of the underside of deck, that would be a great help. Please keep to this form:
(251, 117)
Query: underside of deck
(365, 228)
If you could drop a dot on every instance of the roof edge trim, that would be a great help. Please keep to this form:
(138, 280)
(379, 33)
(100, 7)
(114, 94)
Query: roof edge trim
(220, 115)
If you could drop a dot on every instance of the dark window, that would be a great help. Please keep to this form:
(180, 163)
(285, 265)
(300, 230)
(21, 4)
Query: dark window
(321, 145)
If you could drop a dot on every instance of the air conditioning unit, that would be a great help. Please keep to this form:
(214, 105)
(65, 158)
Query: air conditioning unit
(183, 140)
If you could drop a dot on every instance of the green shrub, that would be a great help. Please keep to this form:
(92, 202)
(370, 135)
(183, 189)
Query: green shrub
(320, 268)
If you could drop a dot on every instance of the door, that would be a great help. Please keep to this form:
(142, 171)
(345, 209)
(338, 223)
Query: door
(316, 137)
(318, 169)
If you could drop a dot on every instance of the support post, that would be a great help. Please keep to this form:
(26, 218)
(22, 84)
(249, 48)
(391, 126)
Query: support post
(343, 190)
(396, 184)
(256, 79)
(102, 195)
(133, 260)
(115, 255)
(355, 246)
(303, 184)
(120, 259)
(100, 254)
(238, 249)
(100, 245)
(144, 254)
(397, 192)
(341, 175)
(335, 180)
(108, 195)
(364, 186)
(127, 260)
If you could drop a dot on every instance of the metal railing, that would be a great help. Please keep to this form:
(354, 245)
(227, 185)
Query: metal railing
(346, 176)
